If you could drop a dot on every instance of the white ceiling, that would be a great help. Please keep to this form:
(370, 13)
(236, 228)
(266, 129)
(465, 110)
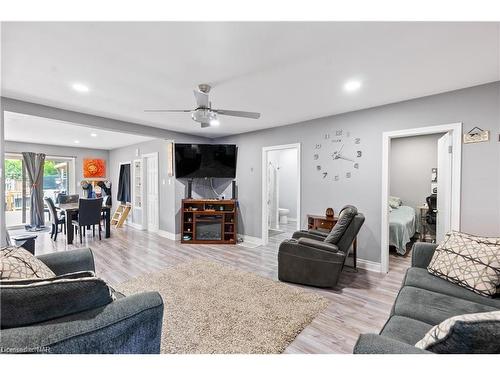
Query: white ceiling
(32, 129)
(288, 71)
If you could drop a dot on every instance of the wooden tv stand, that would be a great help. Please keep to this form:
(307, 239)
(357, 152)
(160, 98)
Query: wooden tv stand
(209, 221)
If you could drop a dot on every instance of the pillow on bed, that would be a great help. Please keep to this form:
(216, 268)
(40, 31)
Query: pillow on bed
(395, 202)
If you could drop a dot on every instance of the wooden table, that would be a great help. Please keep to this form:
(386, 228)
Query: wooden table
(71, 212)
(326, 224)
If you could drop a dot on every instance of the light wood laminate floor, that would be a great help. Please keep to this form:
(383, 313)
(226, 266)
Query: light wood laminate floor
(360, 303)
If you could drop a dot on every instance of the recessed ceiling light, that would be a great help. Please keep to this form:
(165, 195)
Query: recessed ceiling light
(93, 134)
(77, 141)
(352, 85)
(80, 87)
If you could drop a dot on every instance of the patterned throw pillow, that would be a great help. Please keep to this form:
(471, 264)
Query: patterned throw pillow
(469, 261)
(18, 263)
(465, 334)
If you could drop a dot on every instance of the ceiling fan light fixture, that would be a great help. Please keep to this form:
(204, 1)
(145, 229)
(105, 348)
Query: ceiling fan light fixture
(203, 113)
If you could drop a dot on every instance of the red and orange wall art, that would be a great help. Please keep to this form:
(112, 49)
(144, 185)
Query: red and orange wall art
(94, 168)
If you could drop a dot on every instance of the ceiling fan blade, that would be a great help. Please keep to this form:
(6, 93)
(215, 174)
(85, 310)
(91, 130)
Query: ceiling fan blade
(205, 125)
(201, 99)
(167, 110)
(225, 112)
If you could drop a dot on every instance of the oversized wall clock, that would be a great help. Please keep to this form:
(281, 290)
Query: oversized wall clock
(337, 156)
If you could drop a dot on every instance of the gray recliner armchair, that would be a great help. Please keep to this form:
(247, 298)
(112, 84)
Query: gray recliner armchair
(316, 258)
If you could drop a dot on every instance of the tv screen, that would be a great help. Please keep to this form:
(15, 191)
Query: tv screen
(199, 161)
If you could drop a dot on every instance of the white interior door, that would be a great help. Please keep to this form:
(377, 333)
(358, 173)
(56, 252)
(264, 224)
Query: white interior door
(444, 174)
(152, 193)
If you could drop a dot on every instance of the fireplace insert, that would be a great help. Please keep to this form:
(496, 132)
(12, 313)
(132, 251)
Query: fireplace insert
(209, 228)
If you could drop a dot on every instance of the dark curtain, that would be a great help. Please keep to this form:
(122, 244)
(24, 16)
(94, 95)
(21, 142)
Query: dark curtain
(34, 167)
(124, 184)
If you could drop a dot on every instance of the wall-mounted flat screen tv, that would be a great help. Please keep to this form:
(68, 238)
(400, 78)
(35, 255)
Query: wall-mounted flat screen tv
(201, 161)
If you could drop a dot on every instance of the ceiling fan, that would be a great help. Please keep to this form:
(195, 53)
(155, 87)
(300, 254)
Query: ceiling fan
(203, 113)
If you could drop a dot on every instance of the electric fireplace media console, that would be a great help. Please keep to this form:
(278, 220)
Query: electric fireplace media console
(209, 221)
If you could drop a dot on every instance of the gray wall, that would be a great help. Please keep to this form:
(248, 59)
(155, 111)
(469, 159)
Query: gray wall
(412, 160)
(476, 106)
(78, 153)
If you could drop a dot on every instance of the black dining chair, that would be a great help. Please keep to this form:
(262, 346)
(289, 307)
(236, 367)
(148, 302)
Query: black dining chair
(65, 198)
(56, 218)
(89, 214)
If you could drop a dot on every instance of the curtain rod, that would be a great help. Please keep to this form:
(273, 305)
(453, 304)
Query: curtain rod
(49, 156)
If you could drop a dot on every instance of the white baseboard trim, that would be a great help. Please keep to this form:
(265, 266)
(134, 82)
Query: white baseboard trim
(369, 265)
(247, 238)
(169, 235)
(134, 225)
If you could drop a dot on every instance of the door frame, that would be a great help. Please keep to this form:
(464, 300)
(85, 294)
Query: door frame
(456, 133)
(265, 151)
(145, 202)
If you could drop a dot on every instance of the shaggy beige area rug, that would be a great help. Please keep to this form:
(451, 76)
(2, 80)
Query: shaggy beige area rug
(213, 308)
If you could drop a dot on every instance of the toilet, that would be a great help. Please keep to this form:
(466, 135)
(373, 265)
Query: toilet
(284, 212)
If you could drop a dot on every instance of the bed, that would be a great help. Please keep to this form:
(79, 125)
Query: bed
(402, 227)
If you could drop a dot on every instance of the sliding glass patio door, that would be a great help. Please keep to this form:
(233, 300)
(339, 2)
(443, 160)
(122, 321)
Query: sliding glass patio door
(56, 178)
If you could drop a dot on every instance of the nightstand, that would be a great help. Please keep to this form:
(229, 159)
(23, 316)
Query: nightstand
(423, 222)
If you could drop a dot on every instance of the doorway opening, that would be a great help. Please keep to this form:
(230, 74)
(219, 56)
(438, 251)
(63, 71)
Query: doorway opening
(421, 172)
(413, 192)
(280, 191)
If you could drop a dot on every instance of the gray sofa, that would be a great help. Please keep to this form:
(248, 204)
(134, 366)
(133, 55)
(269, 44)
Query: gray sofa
(423, 302)
(129, 324)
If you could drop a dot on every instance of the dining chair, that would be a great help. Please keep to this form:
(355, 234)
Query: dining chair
(56, 218)
(105, 202)
(67, 198)
(89, 214)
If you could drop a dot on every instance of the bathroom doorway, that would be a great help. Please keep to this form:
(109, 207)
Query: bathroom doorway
(281, 191)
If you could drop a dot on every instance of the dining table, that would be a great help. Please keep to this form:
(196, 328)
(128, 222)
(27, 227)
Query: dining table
(71, 213)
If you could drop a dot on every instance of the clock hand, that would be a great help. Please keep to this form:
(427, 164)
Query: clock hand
(343, 157)
(336, 154)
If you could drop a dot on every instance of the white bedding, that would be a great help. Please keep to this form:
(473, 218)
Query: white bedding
(402, 227)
